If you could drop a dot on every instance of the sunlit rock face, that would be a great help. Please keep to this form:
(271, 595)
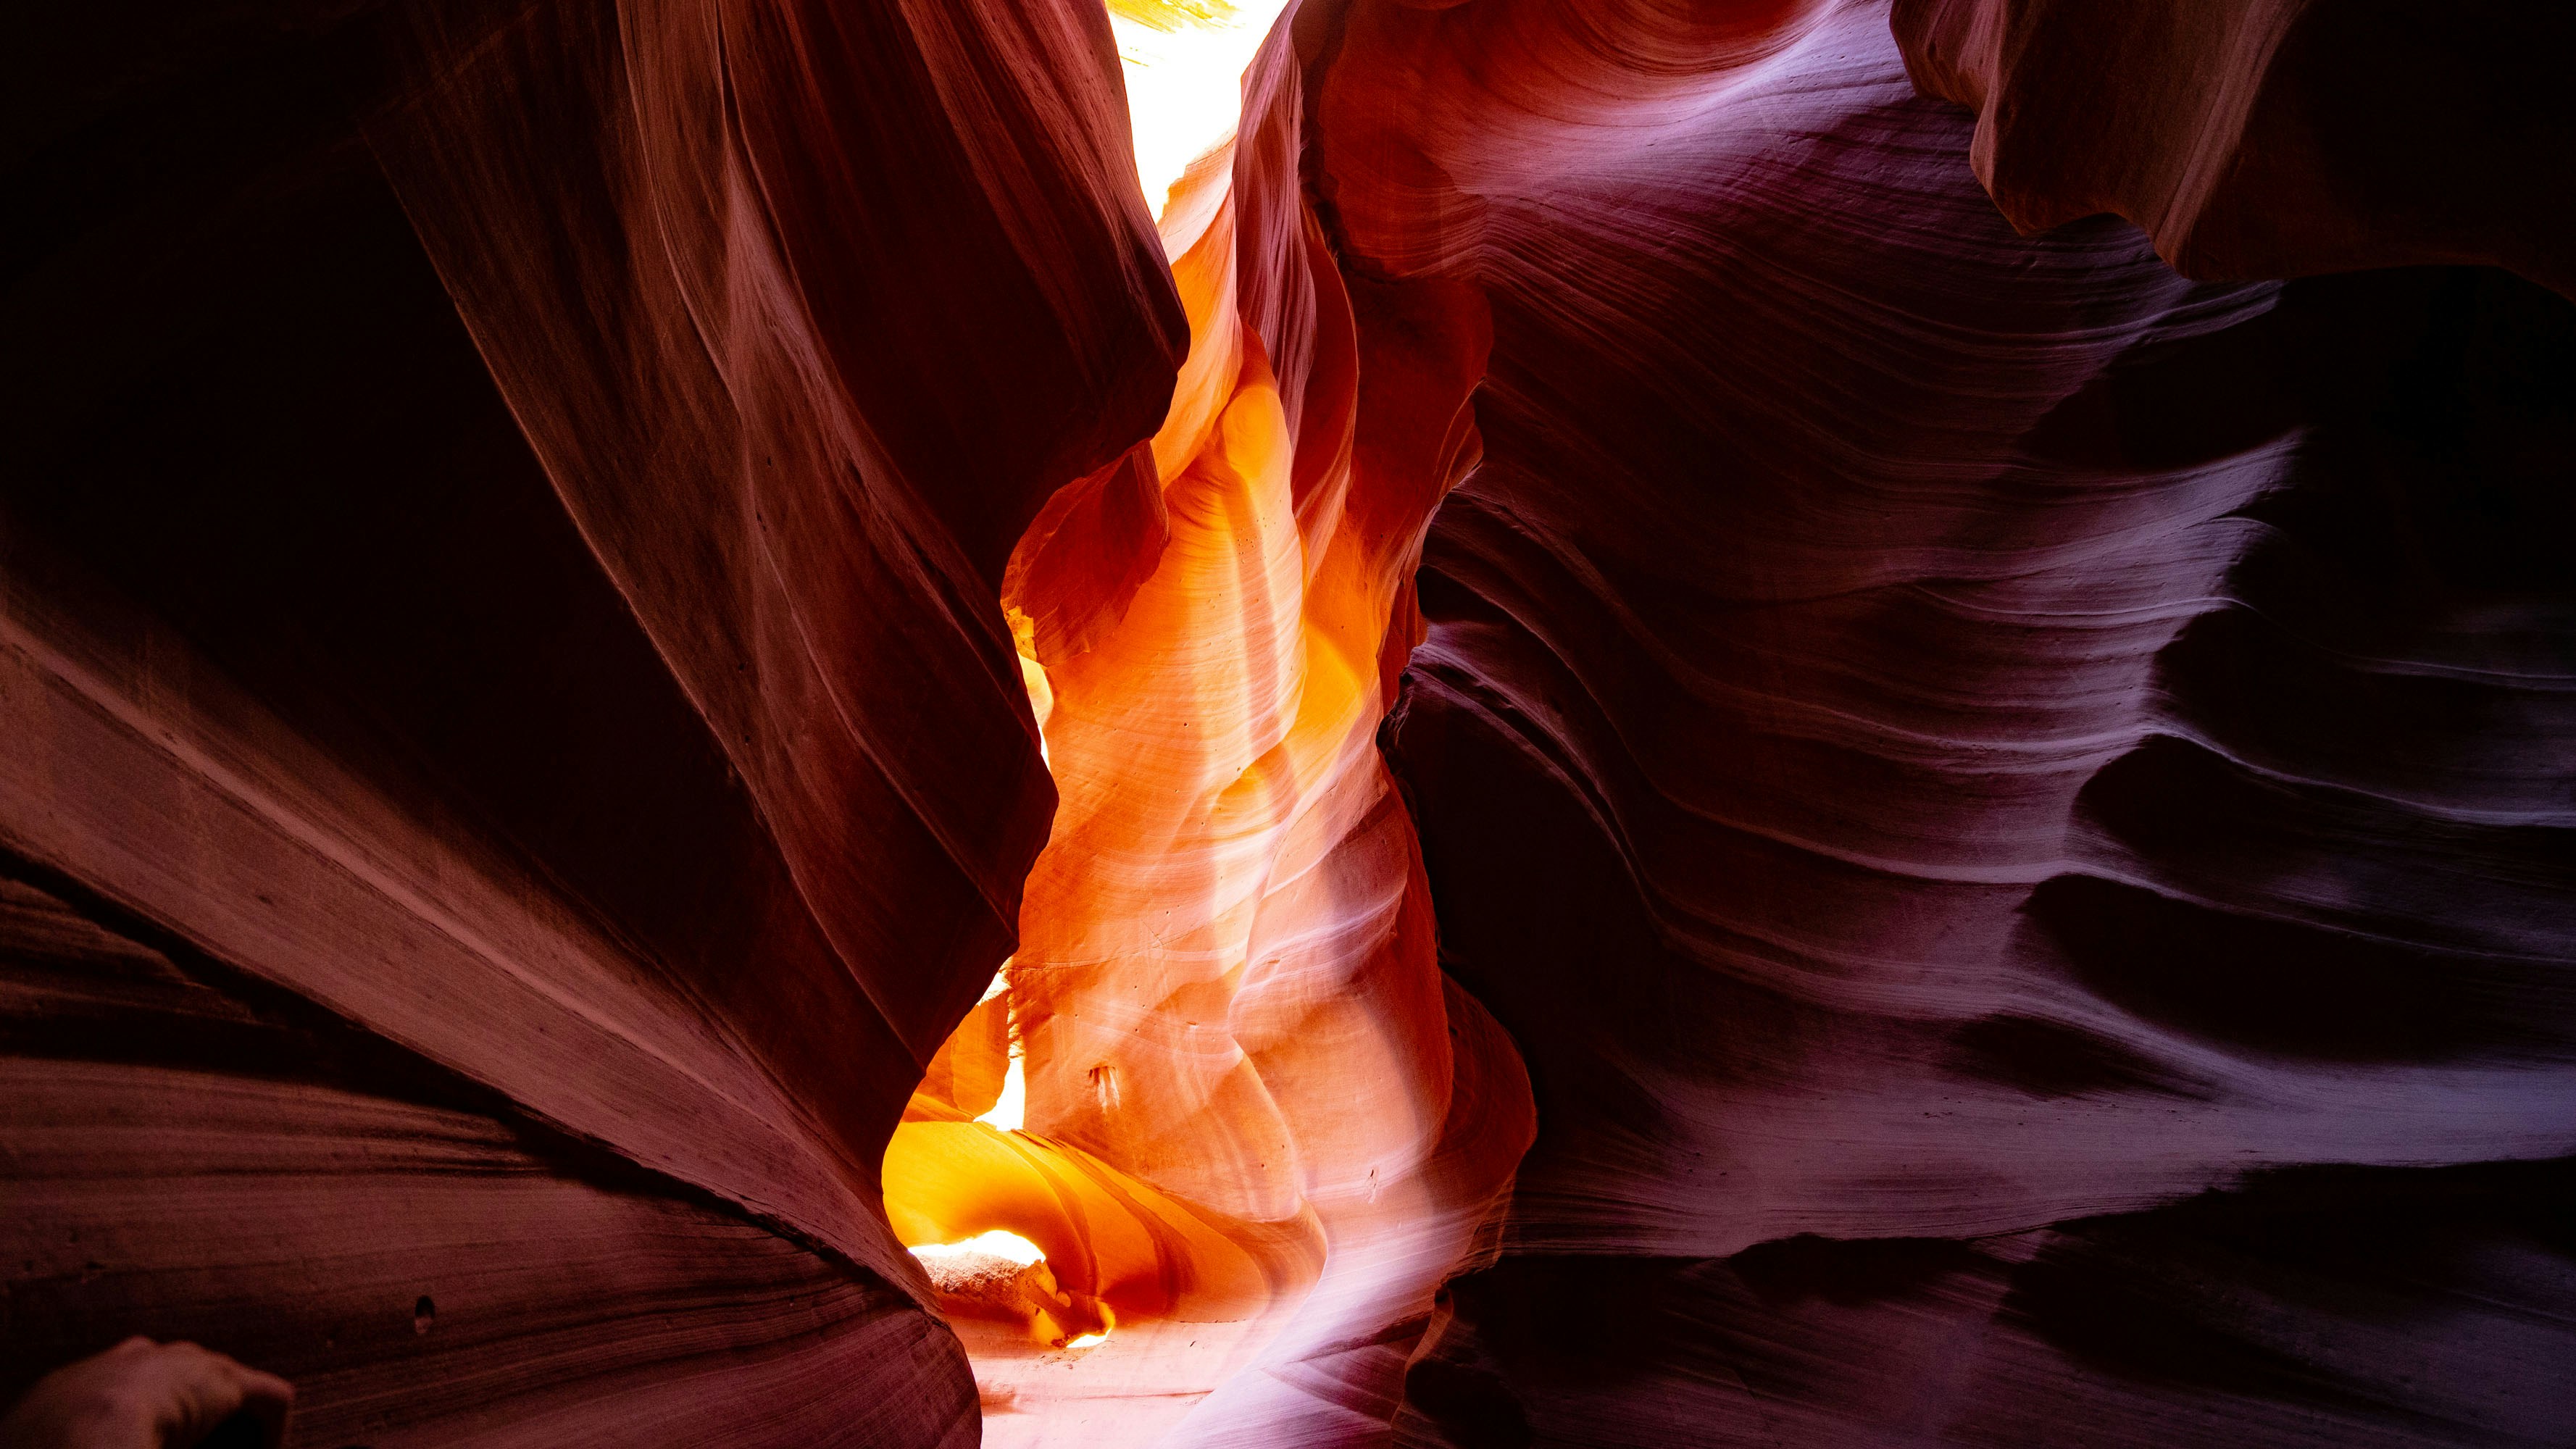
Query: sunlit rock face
(1523, 722)
(1222, 1085)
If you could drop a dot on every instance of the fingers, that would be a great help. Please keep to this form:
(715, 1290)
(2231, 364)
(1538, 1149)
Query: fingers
(265, 1397)
(145, 1395)
(199, 1388)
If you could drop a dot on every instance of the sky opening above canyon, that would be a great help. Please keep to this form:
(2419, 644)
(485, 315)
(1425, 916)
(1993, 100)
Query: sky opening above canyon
(1183, 65)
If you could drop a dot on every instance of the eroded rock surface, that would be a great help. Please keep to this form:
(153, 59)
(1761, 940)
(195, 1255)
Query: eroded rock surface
(1789, 722)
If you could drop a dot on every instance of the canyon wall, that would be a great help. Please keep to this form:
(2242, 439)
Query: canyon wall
(2269, 138)
(2013, 801)
(1846, 623)
(514, 759)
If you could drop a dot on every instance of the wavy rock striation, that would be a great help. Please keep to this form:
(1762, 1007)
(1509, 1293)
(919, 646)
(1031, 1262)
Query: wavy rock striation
(1928, 733)
(2280, 138)
(1653, 586)
(598, 711)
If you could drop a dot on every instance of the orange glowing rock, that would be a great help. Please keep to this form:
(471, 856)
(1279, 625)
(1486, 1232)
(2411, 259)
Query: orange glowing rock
(1240, 1061)
(1004, 1275)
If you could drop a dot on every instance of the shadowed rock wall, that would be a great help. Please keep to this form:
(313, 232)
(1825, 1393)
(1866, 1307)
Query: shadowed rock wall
(1939, 743)
(617, 777)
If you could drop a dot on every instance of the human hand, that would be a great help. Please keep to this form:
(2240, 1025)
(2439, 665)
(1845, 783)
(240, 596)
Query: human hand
(145, 1395)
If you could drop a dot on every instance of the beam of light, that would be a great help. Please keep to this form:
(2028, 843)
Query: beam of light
(1184, 67)
(1033, 678)
(1012, 1107)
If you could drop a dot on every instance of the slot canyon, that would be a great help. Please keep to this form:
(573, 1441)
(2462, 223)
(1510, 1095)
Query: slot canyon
(1432, 723)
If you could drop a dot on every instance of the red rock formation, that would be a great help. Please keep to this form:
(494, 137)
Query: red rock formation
(644, 766)
(1910, 745)
(2012, 801)
(1258, 1127)
(2281, 138)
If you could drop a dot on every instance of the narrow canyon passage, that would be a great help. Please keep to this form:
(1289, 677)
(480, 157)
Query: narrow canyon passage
(1319, 724)
(1222, 1078)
